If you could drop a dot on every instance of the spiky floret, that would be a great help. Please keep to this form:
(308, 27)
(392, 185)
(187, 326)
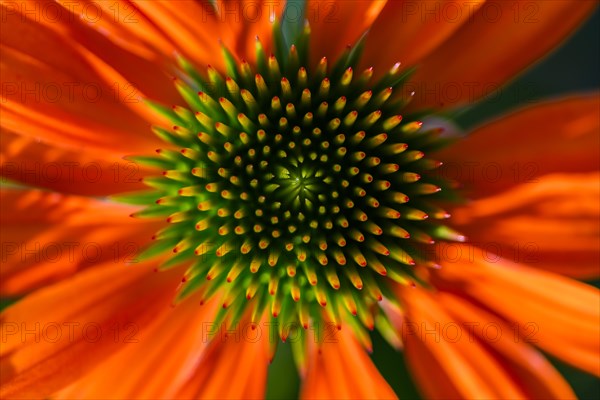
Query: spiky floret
(297, 190)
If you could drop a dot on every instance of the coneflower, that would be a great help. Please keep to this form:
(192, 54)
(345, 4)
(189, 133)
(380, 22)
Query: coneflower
(299, 187)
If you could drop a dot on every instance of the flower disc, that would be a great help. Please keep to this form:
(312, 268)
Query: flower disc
(292, 187)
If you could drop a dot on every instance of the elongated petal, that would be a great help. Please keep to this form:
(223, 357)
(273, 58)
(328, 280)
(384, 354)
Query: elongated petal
(240, 353)
(56, 90)
(533, 373)
(195, 28)
(560, 315)
(347, 20)
(561, 135)
(169, 351)
(499, 41)
(37, 361)
(464, 365)
(81, 172)
(68, 79)
(551, 224)
(48, 236)
(107, 27)
(241, 21)
(116, 32)
(340, 368)
(429, 372)
(412, 30)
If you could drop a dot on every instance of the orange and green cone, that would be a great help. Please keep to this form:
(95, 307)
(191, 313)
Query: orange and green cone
(294, 190)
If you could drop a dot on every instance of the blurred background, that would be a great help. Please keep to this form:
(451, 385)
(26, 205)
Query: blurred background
(571, 68)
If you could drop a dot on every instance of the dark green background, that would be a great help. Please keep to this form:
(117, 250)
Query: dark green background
(572, 68)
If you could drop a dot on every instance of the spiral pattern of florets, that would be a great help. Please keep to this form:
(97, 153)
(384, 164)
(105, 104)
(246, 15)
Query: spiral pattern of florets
(294, 187)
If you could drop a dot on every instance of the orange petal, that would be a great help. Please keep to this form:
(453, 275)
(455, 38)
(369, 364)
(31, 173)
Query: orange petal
(115, 32)
(499, 41)
(190, 24)
(412, 30)
(346, 20)
(121, 24)
(429, 332)
(167, 351)
(125, 33)
(48, 236)
(552, 224)
(241, 353)
(195, 28)
(340, 368)
(430, 372)
(242, 21)
(82, 172)
(57, 90)
(59, 333)
(74, 76)
(559, 315)
(530, 369)
(562, 135)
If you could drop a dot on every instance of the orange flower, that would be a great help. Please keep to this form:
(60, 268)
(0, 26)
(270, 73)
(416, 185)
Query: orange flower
(330, 198)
